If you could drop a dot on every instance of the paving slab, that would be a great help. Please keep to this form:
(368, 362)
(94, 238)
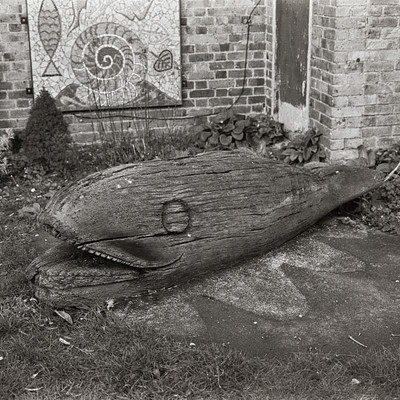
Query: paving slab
(329, 288)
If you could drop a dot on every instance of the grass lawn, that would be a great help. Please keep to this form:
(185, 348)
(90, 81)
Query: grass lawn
(99, 356)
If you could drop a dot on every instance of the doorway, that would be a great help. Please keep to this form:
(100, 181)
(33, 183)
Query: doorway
(292, 64)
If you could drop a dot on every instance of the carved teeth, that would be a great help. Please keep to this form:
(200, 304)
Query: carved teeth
(103, 255)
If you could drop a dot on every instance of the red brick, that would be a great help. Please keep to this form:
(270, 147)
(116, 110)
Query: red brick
(220, 56)
(202, 102)
(235, 38)
(8, 18)
(392, 10)
(201, 84)
(4, 66)
(220, 101)
(200, 57)
(201, 30)
(325, 120)
(256, 64)
(256, 99)
(199, 12)
(8, 123)
(24, 103)
(189, 85)
(259, 72)
(383, 22)
(20, 113)
(376, 131)
(189, 48)
(257, 46)
(6, 86)
(17, 94)
(236, 56)
(222, 65)
(188, 103)
(242, 109)
(221, 92)
(201, 93)
(238, 91)
(237, 73)
(258, 28)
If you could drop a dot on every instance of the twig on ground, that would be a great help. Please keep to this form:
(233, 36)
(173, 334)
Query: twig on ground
(393, 172)
(356, 341)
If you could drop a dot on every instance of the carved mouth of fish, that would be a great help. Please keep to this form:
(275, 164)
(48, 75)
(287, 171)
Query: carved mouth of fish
(85, 247)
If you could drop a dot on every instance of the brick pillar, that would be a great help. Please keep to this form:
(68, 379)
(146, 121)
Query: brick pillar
(356, 74)
(15, 74)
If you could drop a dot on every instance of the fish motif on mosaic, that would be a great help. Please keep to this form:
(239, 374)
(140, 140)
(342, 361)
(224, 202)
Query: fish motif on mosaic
(49, 28)
(93, 54)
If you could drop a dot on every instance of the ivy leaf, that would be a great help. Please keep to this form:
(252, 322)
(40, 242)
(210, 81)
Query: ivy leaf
(225, 140)
(307, 153)
(65, 316)
(228, 128)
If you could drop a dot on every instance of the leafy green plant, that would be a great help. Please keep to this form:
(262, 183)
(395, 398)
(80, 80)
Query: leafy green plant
(46, 141)
(230, 130)
(304, 148)
(387, 159)
(4, 148)
(381, 207)
(11, 163)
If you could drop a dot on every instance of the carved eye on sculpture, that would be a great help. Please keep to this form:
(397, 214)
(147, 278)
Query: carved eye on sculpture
(175, 216)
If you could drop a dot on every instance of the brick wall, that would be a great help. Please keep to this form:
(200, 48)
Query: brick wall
(15, 75)
(213, 36)
(322, 68)
(355, 68)
(356, 74)
(382, 73)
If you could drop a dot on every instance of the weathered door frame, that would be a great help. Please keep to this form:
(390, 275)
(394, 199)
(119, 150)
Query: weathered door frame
(294, 119)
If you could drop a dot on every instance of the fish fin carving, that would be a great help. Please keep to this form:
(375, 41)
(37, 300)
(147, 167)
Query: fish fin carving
(51, 70)
(78, 7)
(139, 10)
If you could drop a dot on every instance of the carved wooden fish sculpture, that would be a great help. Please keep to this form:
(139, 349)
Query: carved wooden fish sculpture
(154, 224)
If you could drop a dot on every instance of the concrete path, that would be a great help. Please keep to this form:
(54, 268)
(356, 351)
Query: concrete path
(334, 288)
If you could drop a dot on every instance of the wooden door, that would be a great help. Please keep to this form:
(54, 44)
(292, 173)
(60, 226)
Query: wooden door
(292, 43)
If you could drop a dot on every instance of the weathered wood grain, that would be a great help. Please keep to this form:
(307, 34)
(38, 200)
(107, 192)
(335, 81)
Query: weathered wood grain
(170, 221)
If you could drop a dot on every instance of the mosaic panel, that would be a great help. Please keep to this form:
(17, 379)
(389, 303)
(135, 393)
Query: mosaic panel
(92, 54)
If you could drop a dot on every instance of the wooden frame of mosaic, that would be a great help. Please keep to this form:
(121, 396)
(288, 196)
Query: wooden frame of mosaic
(95, 54)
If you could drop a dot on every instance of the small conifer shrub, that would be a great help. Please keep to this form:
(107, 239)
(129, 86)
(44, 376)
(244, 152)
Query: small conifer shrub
(46, 141)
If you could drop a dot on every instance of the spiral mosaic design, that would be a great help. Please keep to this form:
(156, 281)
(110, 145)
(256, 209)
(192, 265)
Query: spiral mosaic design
(107, 57)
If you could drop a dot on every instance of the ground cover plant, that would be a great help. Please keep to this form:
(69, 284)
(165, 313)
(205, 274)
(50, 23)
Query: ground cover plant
(98, 355)
(380, 208)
